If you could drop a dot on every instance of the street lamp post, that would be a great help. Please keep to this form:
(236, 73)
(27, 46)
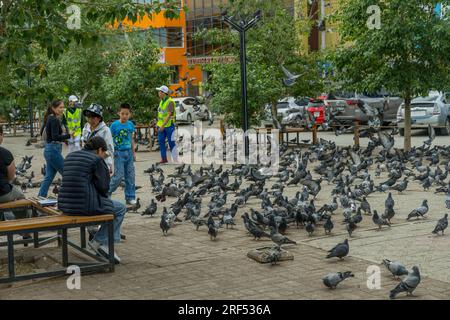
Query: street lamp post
(242, 27)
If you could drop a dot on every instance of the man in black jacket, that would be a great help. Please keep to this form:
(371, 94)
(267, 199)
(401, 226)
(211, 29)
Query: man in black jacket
(84, 191)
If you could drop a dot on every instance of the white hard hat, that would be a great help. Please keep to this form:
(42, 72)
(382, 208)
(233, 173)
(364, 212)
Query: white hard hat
(164, 89)
(73, 99)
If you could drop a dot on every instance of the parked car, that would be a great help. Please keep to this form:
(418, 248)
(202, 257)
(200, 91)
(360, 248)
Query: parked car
(344, 106)
(190, 109)
(433, 109)
(285, 108)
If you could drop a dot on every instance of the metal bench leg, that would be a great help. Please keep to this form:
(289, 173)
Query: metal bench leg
(11, 269)
(36, 239)
(83, 237)
(111, 245)
(65, 254)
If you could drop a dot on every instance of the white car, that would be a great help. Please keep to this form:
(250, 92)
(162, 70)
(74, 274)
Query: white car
(190, 109)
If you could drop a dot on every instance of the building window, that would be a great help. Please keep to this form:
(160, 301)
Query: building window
(168, 37)
(174, 74)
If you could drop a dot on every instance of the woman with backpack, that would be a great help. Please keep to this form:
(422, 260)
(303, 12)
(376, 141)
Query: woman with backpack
(54, 138)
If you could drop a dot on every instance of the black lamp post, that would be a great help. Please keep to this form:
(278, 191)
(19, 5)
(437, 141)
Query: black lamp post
(242, 27)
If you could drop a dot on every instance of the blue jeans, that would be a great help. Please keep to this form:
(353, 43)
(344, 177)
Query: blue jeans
(55, 163)
(124, 167)
(101, 235)
(168, 133)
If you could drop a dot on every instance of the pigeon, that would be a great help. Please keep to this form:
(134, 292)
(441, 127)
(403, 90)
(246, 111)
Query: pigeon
(151, 209)
(328, 226)
(339, 251)
(408, 285)
(401, 186)
(389, 213)
(420, 211)
(389, 203)
(134, 208)
(213, 230)
(441, 225)
(198, 222)
(278, 238)
(165, 223)
(8, 215)
(290, 79)
(379, 221)
(273, 255)
(310, 228)
(350, 227)
(396, 268)
(331, 280)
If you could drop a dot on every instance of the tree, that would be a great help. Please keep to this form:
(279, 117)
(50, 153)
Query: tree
(133, 76)
(54, 24)
(275, 41)
(407, 54)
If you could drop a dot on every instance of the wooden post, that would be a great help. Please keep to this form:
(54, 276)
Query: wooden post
(356, 135)
(314, 134)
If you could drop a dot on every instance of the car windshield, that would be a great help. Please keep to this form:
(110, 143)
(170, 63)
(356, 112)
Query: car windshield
(282, 105)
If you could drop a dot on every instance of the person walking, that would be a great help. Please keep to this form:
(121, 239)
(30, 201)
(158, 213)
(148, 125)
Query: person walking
(123, 133)
(74, 121)
(96, 127)
(166, 124)
(84, 191)
(54, 137)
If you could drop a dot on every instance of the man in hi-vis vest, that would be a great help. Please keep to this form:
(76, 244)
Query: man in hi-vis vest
(73, 117)
(166, 124)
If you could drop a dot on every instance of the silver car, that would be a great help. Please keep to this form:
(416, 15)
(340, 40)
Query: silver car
(434, 110)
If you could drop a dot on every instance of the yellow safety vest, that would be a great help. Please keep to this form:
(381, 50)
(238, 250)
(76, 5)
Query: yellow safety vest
(162, 113)
(74, 121)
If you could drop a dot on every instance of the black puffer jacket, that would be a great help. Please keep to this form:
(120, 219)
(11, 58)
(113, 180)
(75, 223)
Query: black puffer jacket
(85, 184)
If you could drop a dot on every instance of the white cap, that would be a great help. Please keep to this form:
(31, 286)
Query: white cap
(164, 89)
(73, 99)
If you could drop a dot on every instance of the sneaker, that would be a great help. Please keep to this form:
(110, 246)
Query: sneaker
(94, 245)
(92, 230)
(131, 202)
(104, 251)
(164, 161)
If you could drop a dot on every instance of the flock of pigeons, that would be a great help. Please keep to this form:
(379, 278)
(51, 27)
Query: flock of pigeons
(347, 168)
(305, 170)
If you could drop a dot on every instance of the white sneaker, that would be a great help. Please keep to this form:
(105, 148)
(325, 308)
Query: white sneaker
(104, 251)
(94, 245)
(131, 202)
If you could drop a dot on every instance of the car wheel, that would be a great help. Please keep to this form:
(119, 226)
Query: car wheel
(189, 119)
(445, 131)
(402, 132)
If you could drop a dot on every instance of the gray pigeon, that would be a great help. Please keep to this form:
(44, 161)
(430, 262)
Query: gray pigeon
(408, 285)
(420, 211)
(274, 255)
(8, 215)
(441, 225)
(379, 221)
(331, 280)
(290, 79)
(396, 268)
(278, 238)
(340, 250)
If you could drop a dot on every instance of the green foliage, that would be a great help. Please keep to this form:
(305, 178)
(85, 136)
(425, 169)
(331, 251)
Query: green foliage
(274, 41)
(45, 22)
(409, 54)
(134, 75)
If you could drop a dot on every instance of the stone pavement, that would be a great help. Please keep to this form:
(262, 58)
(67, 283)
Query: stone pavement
(188, 265)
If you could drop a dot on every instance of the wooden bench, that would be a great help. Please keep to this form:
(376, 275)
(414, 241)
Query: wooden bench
(54, 221)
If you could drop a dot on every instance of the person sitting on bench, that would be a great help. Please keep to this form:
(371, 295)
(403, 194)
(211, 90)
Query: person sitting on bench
(8, 192)
(84, 191)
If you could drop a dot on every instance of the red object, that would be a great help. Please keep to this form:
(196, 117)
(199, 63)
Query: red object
(164, 161)
(351, 102)
(317, 110)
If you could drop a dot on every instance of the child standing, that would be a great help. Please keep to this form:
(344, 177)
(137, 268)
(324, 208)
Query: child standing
(123, 132)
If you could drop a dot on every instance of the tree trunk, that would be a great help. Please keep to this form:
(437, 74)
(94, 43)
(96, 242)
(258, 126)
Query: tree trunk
(407, 143)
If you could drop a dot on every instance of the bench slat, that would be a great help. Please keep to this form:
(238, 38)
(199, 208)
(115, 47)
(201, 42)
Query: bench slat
(52, 221)
(17, 204)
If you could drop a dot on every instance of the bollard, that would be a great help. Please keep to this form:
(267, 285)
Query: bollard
(314, 134)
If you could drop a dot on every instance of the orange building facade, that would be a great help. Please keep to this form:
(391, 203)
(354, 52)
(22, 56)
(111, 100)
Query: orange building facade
(171, 35)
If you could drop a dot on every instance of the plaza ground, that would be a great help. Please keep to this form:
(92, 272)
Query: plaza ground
(188, 265)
